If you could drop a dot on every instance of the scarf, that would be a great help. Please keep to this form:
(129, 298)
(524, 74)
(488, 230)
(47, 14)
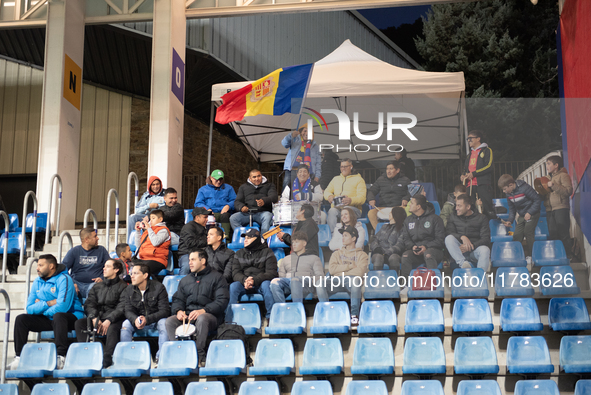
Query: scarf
(304, 155)
(298, 188)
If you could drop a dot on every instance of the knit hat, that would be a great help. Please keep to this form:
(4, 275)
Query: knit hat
(415, 189)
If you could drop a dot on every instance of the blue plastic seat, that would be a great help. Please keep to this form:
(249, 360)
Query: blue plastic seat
(279, 253)
(507, 253)
(287, 319)
(9, 389)
(469, 283)
(322, 357)
(437, 292)
(502, 203)
(237, 239)
(528, 355)
(558, 280)
(568, 314)
(259, 388)
(101, 389)
(423, 356)
(37, 361)
(188, 216)
(377, 317)
(177, 358)
(331, 317)
(379, 226)
(13, 244)
(255, 297)
(319, 387)
(478, 387)
(531, 387)
(51, 389)
(498, 231)
(224, 358)
(205, 388)
(274, 242)
(248, 316)
(273, 357)
(364, 224)
(423, 316)
(385, 287)
(162, 388)
(472, 315)
(131, 241)
(475, 356)
(171, 283)
(574, 354)
(130, 359)
(541, 232)
(12, 223)
(373, 356)
(40, 225)
(508, 282)
(421, 387)
(583, 387)
(366, 387)
(549, 253)
(83, 360)
(324, 235)
(520, 315)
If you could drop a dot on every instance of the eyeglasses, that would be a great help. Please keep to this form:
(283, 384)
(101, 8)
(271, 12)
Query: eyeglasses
(344, 167)
(471, 138)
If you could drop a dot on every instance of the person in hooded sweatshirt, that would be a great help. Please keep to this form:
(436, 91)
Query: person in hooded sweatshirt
(152, 199)
(478, 170)
(307, 225)
(52, 306)
(256, 195)
(154, 243)
(218, 197)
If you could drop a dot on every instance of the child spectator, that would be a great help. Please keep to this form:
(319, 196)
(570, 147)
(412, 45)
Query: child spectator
(557, 202)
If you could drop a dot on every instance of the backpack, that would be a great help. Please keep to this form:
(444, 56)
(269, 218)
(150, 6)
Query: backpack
(422, 280)
(232, 331)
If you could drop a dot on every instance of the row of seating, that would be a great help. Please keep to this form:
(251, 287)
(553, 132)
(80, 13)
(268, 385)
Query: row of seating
(499, 232)
(544, 253)
(503, 203)
(13, 223)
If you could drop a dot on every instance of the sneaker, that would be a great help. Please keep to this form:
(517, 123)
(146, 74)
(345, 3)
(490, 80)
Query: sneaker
(202, 363)
(466, 265)
(14, 364)
(528, 259)
(61, 360)
(354, 322)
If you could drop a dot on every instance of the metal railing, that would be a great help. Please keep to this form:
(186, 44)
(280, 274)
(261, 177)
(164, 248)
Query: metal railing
(113, 192)
(5, 254)
(538, 169)
(50, 210)
(61, 242)
(131, 176)
(91, 211)
(33, 229)
(30, 262)
(6, 332)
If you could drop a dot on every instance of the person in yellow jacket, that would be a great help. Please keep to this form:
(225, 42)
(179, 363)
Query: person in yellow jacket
(557, 202)
(350, 189)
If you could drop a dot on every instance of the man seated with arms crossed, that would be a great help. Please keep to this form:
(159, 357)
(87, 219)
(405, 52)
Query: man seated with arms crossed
(219, 256)
(202, 298)
(193, 236)
(174, 215)
(393, 190)
(154, 243)
(468, 237)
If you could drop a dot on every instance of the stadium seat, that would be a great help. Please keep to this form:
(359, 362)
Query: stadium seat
(542, 232)
(237, 239)
(171, 283)
(549, 253)
(558, 280)
(287, 319)
(528, 355)
(205, 388)
(366, 387)
(379, 226)
(501, 203)
(324, 235)
(177, 358)
(273, 357)
(130, 359)
(437, 207)
(364, 224)
(377, 317)
(423, 356)
(421, 387)
(469, 283)
(574, 354)
(331, 317)
(508, 282)
(472, 315)
(373, 356)
(12, 223)
(101, 389)
(274, 242)
(507, 253)
(322, 357)
(14, 243)
(188, 216)
(436, 292)
(37, 361)
(478, 387)
(259, 388)
(531, 387)
(423, 316)
(248, 316)
(279, 253)
(40, 225)
(162, 388)
(9, 389)
(475, 356)
(520, 315)
(255, 297)
(51, 389)
(83, 360)
(583, 387)
(385, 287)
(498, 231)
(224, 358)
(131, 242)
(568, 314)
(49, 335)
(319, 387)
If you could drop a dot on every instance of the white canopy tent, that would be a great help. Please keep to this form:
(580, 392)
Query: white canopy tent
(351, 80)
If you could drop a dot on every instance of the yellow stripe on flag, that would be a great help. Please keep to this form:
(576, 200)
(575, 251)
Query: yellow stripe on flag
(262, 97)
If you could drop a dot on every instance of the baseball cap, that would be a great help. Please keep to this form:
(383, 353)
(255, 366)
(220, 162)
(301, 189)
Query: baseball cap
(217, 174)
(252, 232)
(351, 230)
(201, 211)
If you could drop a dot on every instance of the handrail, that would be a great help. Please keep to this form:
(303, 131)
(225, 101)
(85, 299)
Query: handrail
(91, 211)
(59, 246)
(50, 210)
(112, 192)
(33, 230)
(5, 255)
(30, 262)
(6, 331)
(136, 181)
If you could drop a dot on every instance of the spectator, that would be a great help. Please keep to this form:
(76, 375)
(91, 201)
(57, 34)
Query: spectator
(218, 197)
(146, 306)
(124, 254)
(154, 244)
(193, 236)
(202, 298)
(557, 202)
(304, 188)
(257, 195)
(449, 207)
(350, 187)
(468, 235)
(174, 215)
(382, 244)
(415, 190)
(407, 166)
(330, 167)
(301, 151)
(348, 218)
(479, 170)
(152, 199)
(219, 256)
(105, 307)
(307, 225)
(393, 190)
(52, 305)
(85, 262)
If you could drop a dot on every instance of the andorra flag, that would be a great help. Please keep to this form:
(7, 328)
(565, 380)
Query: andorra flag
(271, 95)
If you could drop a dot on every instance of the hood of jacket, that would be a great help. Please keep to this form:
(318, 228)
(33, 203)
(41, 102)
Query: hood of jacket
(483, 145)
(150, 181)
(59, 270)
(257, 186)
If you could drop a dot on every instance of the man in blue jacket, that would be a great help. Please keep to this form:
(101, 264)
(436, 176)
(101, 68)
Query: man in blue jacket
(52, 305)
(218, 197)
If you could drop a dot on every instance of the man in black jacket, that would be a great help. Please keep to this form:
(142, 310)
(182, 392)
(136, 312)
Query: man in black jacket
(468, 235)
(146, 306)
(174, 214)
(105, 307)
(202, 298)
(258, 195)
(478, 171)
(393, 190)
(219, 256)
(193, 236)
(306, 224)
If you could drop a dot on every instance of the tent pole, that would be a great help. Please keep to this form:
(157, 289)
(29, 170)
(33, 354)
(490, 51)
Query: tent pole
(210, 140)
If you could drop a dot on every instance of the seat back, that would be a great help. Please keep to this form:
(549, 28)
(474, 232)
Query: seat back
(471, 311)
(470, 282)
(437, 207)
(381, 312)
(237, 239)
(324, 235)
(421, 387)
(366, 387)
(279, 253)
(171, 283)
(259, 388)
(317, 387)
(508, 282)
(206, 388)
(379, 226)
(527, 387)
(101, 389)
(519, 311)
(84, 356)
(246, 315)
(162, 388)
(332, 314)
(40, 224)
(542, 229)
(498, 231)
(288, 315)
(132, 355)
(131, 241)
(38, 356)
(567, 310)
(527, 351)
(13, 222)
(226, 354)
(323, 352)
(188, 216)
(366, 241)
(558, 280)
(51, 389)
(583, 387)
(384, 286)
(475, 352)
(9, 389)
(423, 351)
(423, 312)
(575, 350)
(549, 252)
(274, 352)
(178, 354)
(274, 241)
(15, 242)
(478, 387)
(373, 351)
(507, 253)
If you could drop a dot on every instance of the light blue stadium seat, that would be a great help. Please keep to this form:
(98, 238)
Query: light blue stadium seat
(9, 389)
(331, 317)
(12, 223)
(39, 226)
(502, 203)
(436, 292)
(475, 356)
(534, 387)
(367, 387)
(37, 361)
(322, 357)
(273, 357)
(542, 232)
(324, 235)
(549, 253)
(373, 356)
(318, 387)
(177, 358)
(520, 315)
(279, 253)
(377, 317)
(237, 239)
(421, 387)
(568, 314)
(162, 388)
(83, 360)
(14, 243)
(287, 319)
(113, 255)
(437, 207)
(478, 387)
(472, 315)
(558, 280)
(51, 389)
(528, 355)
(251, 298)
(583, 387)
(101, 389)
(379, 226)
(507, 253)
(206, 388)
(469, 283)
(131, 241)
(48, 335)
(130, 359)
(498, 231)
(508, 282)
(224, 358)
(274, 242)
(188, 216)
(423, 316)
(574, 354)
(259, 388)
(385, 287)
(423, 356)
(248, 316)
(171, 283)
(364, 224)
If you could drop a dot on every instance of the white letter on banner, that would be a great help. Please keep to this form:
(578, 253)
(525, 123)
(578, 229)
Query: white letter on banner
(344, 123)
(403, 127)
(375, 136)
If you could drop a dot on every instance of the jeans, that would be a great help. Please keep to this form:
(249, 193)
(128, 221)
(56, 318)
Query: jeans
(480, 254)
(526, 229)
(431, 258)
(237, 290)
(113, 334)
(127, 331)
(263, 218)
(301, 288)
(280, 288)
(61, 324)
(348, 285)
(378, 261)
(83, 288)
(184, 265)
(334, 214)
(204, 324)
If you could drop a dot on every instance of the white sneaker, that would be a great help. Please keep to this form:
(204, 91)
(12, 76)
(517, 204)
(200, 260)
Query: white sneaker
(14, 364)
(528, 259)
(466, 265)
(61, 360)
(354, 322)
